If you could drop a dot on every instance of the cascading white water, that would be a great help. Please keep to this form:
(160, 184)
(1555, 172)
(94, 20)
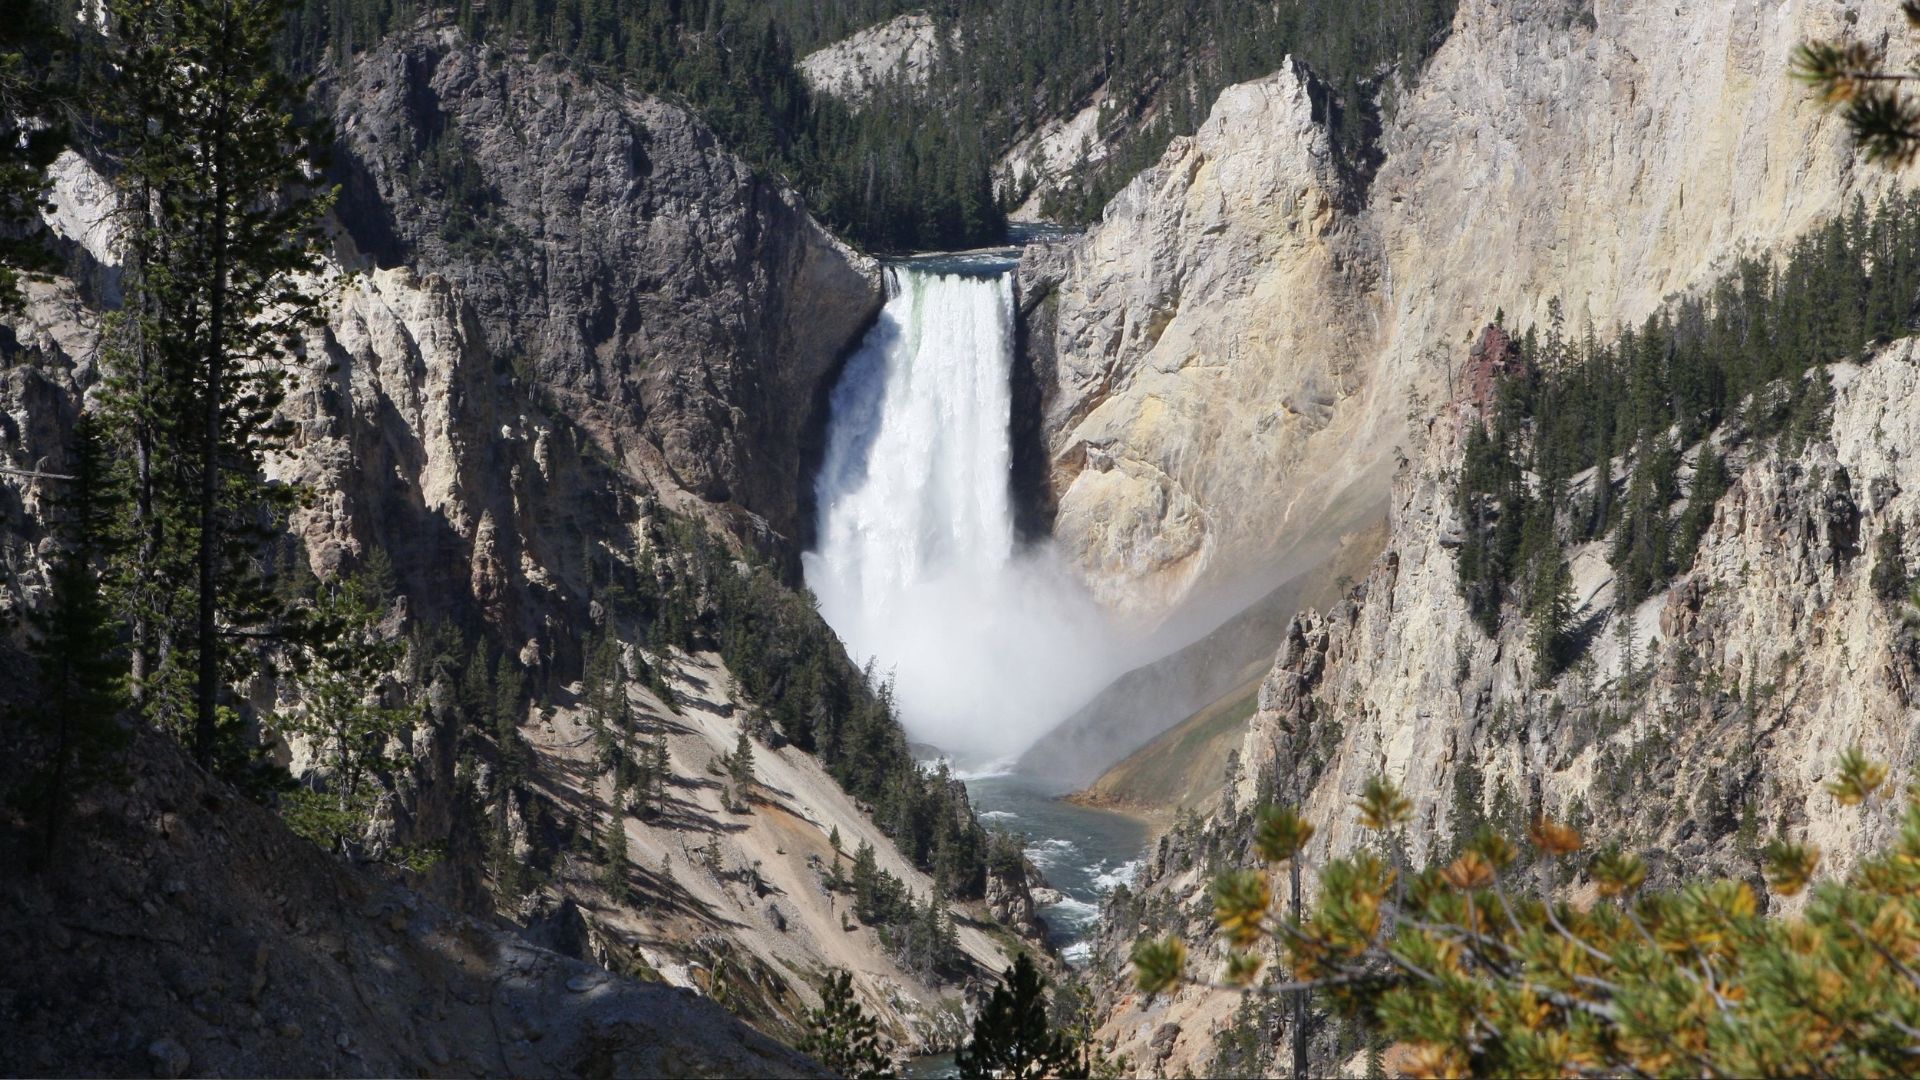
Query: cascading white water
(917, 565)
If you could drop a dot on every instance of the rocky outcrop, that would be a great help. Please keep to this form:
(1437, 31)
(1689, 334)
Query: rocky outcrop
(1692, 729)
(189, 933)
(900, 51)
(1749, 674)
(1241, 338)
(1188, 320)
(1051, 153)
(555, 311)
(679, 309)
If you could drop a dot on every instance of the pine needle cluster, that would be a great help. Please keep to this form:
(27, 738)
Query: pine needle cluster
(1474, 973)
(1872, 99)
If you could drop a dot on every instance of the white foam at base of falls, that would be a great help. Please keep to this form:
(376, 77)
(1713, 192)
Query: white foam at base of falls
(917, 565)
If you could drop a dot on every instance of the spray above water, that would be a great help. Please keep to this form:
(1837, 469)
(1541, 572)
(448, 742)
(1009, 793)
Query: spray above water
(917, 566)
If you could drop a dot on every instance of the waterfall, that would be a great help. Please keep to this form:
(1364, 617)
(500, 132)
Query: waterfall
(916, 565)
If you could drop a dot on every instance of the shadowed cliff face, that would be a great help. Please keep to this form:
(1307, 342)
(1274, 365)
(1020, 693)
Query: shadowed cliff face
(554, 312)
(187, 932)
(678, 308)
(571, 302)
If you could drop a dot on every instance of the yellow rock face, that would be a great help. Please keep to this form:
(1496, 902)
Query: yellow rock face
(1240, 341)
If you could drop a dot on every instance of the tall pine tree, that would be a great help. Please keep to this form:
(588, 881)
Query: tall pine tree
(74, 723)
(225, 231)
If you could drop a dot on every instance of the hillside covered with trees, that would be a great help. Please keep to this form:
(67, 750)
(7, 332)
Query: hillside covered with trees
(916, 168)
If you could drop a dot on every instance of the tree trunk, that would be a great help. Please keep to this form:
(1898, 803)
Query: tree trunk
(208, 681)
(1299, 996)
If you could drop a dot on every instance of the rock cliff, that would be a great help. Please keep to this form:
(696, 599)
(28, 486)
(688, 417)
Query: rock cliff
(1240, 339)
(1186, 345)
(557, 314)
(676, 307)
(900, 51)
(1695, 727)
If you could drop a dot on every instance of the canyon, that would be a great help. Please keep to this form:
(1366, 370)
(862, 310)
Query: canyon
(1171, 500)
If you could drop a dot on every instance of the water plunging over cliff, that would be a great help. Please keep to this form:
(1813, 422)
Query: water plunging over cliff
(917, 566)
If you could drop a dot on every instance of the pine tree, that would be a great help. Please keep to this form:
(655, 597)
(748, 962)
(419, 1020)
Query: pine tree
(841, 1036)
(1811, 412)
(1012, 1037)
(740, 762)
(1552, 616)
(81, 688)
(864, 880)
(1701, 979)
(659, 772)
(509, 709)
(604, 692)
(1889, 577)
(33, 99)
(613, 852)
(226, 225)
(476, 688)
(1709, 484)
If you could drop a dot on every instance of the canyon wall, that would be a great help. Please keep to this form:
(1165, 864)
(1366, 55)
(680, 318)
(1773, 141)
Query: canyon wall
(1241, 338)
(679, 309)
(901, 51)
(556, 313)
(1692, 730)
(1256, 351)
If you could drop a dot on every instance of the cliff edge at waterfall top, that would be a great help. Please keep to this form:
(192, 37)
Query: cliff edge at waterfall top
(851, 537)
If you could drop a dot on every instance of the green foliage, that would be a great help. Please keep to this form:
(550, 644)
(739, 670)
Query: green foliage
(1710, 481)
(877, 895)
(1474, 975)
(1872, 98)
(1744, 362)
(1889, 579)
(740, 762)
(613, 854)
(347, 715)
(1551, 616)
(1012, 1036)
(1246, 1047)
(1280, 833)
(841, 1036)
(223, 229)
(33, 100)
(921, 935)
(73, 726)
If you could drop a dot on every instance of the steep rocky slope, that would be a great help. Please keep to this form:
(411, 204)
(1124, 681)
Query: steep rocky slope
(900, 51)
(1708, 734)
(560, 318)
(187, 932)
(679, 309)
(1184, 338)
(734, 899)
(1238, 342)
